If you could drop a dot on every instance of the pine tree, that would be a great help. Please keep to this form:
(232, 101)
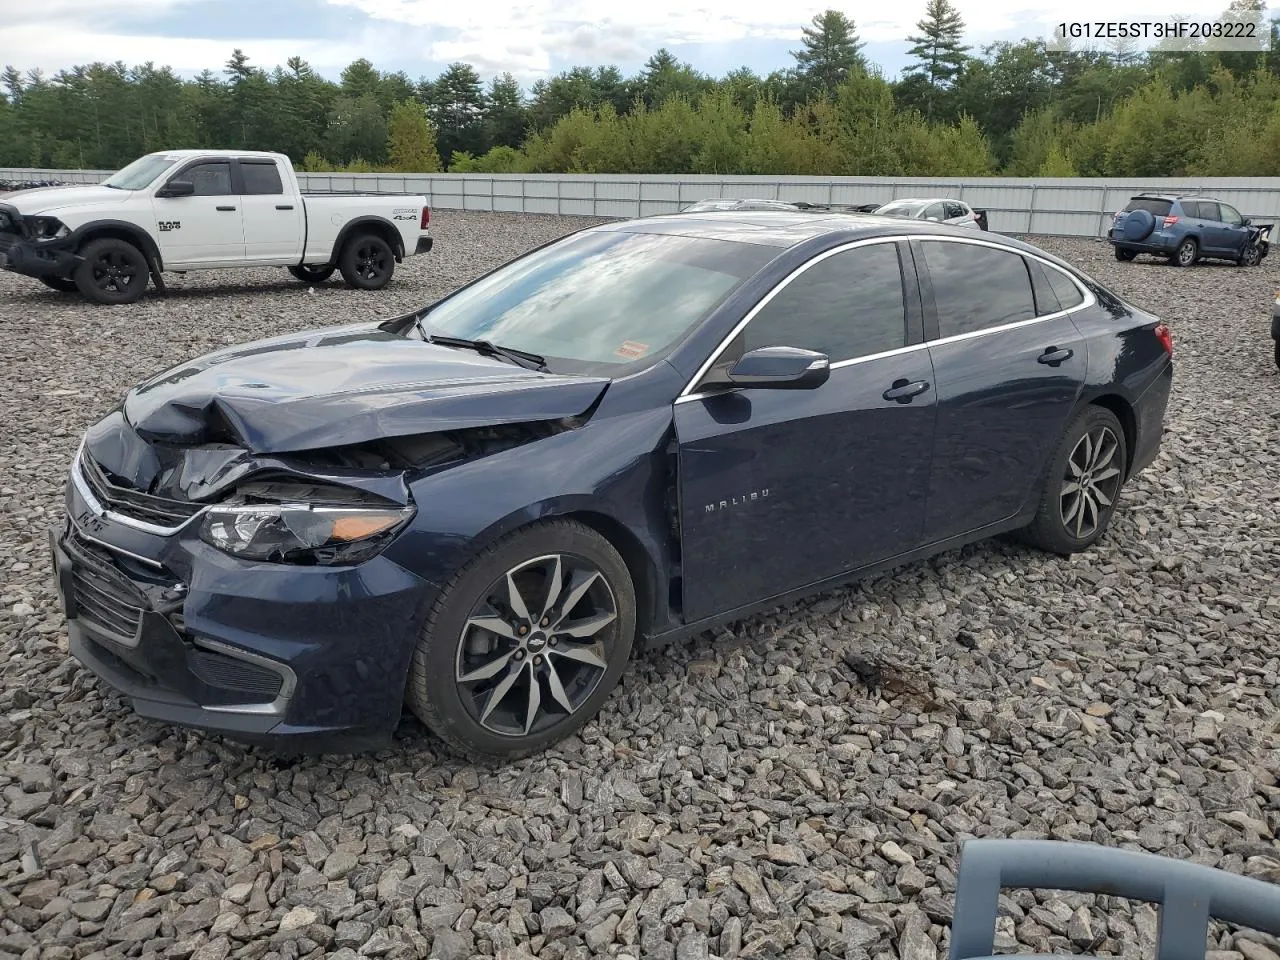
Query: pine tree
(939, 53)
(831, 51)
(411, 140)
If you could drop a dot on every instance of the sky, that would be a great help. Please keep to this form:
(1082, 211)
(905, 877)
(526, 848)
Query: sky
(528, 38)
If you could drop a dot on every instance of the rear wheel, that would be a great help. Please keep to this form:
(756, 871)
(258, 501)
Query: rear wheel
(367, 262)
(1082, 485)
(112, 272)
(525, 644)
(311, 274)
(1122, 254)
(1187, 254)
(61, 284)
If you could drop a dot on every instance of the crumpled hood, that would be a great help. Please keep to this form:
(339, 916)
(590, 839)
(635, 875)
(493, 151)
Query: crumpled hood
(340, 386)
(52, 199)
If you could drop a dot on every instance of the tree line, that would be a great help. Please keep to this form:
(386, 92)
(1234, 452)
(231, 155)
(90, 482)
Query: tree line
(1022, 109)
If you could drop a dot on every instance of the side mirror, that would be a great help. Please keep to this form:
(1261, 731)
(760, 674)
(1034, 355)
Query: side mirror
(177, 188)
(780, 368)
(1246, 222)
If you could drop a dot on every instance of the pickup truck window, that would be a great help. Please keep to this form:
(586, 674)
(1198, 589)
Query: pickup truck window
(141, 173)
(260, 178)
(212, 179)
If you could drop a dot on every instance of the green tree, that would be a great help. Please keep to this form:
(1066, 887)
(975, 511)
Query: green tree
(830, 51)
(457, 109)
(411, 140)
(505, 118)
(1057, 163)
(940, 56)
(357, 130)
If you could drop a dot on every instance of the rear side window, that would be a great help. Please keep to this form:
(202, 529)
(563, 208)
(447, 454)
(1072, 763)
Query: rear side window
(977, 287)
(847, 306)
(1066, 290)
(1046, 299)
(1152, 205)
(1209, 210)
(261, 178)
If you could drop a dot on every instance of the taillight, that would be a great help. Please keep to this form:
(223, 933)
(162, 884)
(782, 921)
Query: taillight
(1165, 336)
(426, 217)
(1170, 221)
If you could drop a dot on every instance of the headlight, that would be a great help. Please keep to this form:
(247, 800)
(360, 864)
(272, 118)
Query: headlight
(48, 228)
(301, 533)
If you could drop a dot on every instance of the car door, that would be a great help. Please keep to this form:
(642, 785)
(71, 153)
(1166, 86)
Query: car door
(780, 489)
(1233, 232)
(1204, 222)
(205, 228)
(1008, 372)
(934, 211)
(273, 220)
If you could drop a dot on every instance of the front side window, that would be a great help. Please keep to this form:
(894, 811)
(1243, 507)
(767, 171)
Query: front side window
(976, 287)
(848, 305)
(934, 212)
(141, 173)
(211, 179)
(1229, 215)
(596, 301)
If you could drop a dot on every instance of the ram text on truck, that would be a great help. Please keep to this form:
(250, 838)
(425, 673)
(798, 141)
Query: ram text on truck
(181, 210)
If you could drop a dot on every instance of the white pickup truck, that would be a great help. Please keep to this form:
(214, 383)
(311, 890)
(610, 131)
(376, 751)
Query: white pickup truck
(181, 210)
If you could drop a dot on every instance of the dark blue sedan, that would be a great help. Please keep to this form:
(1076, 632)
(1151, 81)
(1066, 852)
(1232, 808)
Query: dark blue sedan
(636, 432)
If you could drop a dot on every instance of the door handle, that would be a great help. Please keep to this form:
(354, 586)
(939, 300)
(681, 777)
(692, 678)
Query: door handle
(1054, 357)
(284, 206)
(905, 390)
(226, 208)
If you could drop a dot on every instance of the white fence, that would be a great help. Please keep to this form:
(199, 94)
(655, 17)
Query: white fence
(1055, 207)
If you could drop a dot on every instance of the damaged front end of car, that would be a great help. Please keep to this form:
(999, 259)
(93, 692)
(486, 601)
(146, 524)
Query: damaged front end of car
(225, 557)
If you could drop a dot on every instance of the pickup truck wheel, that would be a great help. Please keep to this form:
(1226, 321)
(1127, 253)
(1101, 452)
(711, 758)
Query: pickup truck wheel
(311, 274)
(61, 284)
(367, 262)
(112, 272)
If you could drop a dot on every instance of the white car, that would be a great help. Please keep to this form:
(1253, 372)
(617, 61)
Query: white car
(943, 210)
(181, 210)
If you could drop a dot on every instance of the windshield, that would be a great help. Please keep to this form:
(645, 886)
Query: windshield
(140, 173)
(908, 208)
(597, 301)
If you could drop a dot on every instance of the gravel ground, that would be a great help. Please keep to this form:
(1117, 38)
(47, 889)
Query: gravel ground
(797, 790)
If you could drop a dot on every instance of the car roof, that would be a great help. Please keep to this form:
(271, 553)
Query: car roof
(784, 228)
(186, 154)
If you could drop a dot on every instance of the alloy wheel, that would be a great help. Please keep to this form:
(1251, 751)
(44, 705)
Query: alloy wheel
(536, 645)
(1186, 254)
(1091, 483)
(113, 272)
(371, 261)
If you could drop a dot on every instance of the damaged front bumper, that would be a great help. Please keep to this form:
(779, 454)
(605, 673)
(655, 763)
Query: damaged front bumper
(315, 657)
(51, 258)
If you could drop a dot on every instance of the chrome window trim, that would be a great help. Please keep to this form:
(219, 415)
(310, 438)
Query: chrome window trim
(94, 504)
(1089, 300)
(289, 680)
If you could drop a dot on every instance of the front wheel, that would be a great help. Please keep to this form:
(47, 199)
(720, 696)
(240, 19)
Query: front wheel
(367, 262)
(526, 642)
(61, 284)
(311, 274)
(112, 272)
(1252, 256)
(1124, 255)
(1082, 485)
(1187, 254)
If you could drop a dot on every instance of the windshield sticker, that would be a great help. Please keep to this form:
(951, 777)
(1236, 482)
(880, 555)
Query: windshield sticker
(631, 350)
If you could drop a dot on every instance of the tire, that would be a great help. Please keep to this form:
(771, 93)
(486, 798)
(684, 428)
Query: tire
(61, 284)
(112, 272)
(459, 666)
(311, 274)
(1125, 255)
(367, 262)
(1278, 354)
(1187, 254)
(1094, 444)
(1252, 256)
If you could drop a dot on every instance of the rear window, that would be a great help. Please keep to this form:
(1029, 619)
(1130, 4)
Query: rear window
(1153, 205)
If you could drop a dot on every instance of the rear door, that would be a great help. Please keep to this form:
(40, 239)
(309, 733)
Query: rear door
(780, 489)
(273, 219)
(1009, 366)
(204, 229)
(1207, 227)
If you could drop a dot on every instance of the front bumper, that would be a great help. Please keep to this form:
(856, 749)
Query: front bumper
(52, 259)
(311, 657)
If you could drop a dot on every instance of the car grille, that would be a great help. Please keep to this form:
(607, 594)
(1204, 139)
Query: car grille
(104, 596)
(160, 511)
(259, 684)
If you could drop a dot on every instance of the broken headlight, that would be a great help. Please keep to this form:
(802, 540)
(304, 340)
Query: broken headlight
(47, 228)
(302, 533)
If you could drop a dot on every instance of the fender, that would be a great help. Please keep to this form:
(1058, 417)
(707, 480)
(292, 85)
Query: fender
(397, 246)
(143, 240)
